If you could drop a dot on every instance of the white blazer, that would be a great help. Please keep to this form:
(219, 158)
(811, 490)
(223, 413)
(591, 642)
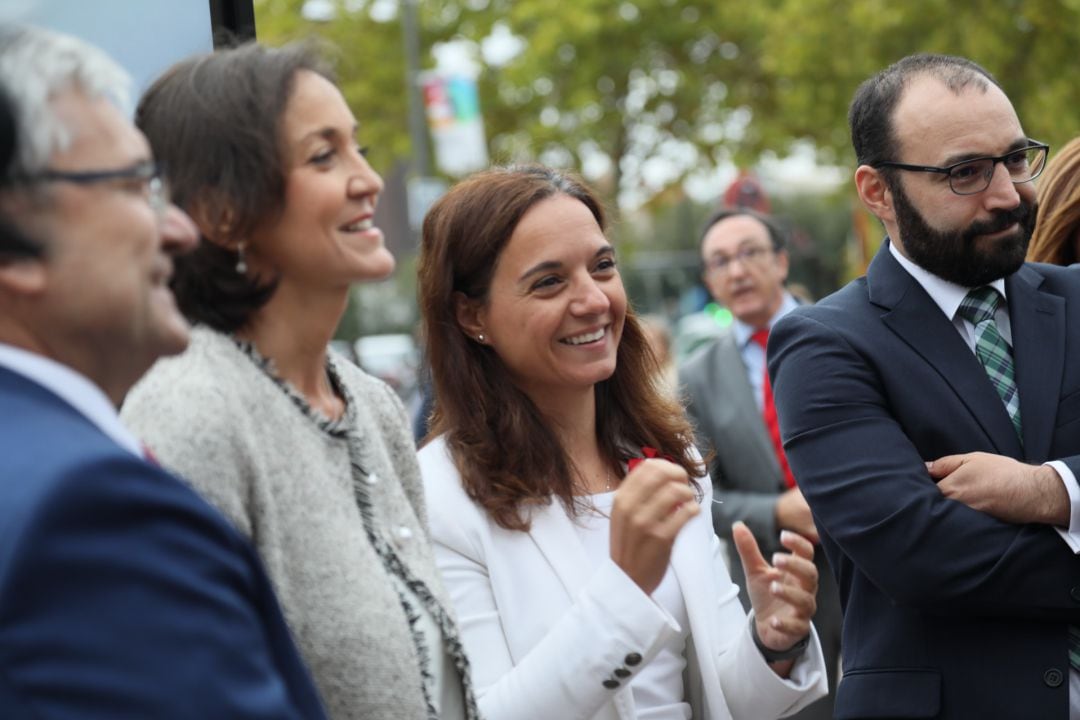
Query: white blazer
(544, 629)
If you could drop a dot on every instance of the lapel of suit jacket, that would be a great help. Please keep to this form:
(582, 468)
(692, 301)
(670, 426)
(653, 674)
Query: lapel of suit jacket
(919, 322)
(703, 592)
(731, 376)
(1037, 320)
(554, 534)
(691, 577)
(731, 368)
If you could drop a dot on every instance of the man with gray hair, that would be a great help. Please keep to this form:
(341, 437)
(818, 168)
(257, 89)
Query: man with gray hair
(122, 593)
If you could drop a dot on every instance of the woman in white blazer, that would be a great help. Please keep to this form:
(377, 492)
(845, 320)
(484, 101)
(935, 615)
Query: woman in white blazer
(585, 587)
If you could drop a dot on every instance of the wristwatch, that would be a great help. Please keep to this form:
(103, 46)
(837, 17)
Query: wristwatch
(771, 655)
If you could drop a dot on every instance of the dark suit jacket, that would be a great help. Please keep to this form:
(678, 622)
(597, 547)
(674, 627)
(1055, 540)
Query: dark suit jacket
(122, 593)
(948, 613)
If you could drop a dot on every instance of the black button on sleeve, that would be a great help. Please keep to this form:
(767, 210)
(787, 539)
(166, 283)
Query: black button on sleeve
(1053, 677)
(611, 683)
(632, 659)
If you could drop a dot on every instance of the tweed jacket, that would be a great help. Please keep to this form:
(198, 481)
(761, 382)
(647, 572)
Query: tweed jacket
(219, 420)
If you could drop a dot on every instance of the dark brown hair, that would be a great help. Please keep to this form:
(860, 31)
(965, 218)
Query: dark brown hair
(777, 236)
(214, 123)
(1057, 225)
(507, 455)
(870, 116)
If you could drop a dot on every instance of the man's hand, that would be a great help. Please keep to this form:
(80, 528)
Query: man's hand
(1004, 488)
(792, 513)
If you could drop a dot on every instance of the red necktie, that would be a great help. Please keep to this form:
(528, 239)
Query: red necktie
(768, 413)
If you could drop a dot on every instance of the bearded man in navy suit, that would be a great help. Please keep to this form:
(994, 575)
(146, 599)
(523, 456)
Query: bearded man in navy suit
(122, 593)
(931, 412)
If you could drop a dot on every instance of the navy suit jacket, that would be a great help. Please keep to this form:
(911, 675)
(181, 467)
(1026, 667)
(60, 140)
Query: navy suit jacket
(122, 593)
(948, 612)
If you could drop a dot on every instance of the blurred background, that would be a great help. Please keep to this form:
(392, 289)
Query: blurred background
(668, 107)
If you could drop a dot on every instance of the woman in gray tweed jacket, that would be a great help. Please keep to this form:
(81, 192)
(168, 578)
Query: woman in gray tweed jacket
(310, 457)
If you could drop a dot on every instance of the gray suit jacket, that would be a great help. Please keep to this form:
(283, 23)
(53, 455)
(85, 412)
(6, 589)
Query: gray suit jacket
(745, 472)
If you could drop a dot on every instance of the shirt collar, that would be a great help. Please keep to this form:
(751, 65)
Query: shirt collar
(743, 331)
(947, 295)
(73, 388)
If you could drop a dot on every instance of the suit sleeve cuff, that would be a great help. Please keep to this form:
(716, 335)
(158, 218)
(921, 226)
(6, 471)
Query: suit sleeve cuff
(752, 689)
(1070, 535)
(626, 598)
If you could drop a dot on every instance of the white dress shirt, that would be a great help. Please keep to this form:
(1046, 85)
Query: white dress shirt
(753, 355)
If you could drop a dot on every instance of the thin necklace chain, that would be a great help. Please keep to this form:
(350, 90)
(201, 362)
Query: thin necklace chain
(609, 479)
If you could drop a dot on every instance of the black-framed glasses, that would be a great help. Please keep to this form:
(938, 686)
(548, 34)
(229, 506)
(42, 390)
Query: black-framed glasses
(147, 173)
(750, 255)
(973, 176)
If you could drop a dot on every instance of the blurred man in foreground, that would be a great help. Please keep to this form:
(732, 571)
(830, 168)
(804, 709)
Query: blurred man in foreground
(122, 594)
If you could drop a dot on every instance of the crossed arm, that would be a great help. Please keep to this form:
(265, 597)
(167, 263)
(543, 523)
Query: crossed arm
(873, 494)
(1004, 488)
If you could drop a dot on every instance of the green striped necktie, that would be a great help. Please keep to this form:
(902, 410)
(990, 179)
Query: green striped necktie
(993, 352)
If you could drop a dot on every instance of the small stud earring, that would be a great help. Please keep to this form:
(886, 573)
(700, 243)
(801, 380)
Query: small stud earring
(241, 264)
(480, 337)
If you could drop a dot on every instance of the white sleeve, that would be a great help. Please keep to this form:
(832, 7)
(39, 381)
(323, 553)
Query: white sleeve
(563, 675)
(1071, 535)
(752, 689)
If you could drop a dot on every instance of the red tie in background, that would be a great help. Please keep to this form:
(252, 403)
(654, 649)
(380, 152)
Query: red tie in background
(768, 413)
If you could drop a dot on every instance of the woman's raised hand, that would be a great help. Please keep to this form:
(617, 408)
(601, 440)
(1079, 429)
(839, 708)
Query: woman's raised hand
(653, 503)
(783, 594)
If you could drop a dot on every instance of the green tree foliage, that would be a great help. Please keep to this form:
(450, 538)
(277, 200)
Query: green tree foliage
(829, 48)
(368, 60)
(629, 81)
(624, 81)
(666, 88)
(643, 94)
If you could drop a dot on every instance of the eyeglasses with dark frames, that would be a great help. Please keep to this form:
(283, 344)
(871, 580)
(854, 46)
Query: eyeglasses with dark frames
(147, 173)
(970, 177)
(751, 255)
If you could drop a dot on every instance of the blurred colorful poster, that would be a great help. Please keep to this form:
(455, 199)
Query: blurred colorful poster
(457, 128)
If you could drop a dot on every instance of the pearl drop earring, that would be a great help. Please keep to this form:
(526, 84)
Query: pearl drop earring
(241, 264)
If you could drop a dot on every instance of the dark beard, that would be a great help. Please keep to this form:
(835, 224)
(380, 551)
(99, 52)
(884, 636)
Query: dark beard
(954, 255)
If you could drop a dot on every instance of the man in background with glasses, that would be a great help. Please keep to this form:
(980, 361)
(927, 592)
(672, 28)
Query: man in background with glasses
(122, 593)
(931, 412)
(745, 266)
